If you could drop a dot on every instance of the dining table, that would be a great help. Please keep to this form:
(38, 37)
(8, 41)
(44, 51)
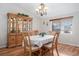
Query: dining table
(39, 40)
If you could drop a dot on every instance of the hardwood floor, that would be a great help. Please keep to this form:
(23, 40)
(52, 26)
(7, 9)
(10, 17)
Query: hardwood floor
(64, 50)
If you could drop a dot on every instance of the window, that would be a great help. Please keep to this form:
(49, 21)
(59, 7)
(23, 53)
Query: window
(56, 26)
(64, 25)
(67, 26)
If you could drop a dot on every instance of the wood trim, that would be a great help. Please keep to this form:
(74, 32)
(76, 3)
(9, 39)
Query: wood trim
(61, 18)
(19, 16)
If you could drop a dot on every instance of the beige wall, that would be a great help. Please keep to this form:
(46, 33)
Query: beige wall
(71, 39)
(37, 24)
(5, 8)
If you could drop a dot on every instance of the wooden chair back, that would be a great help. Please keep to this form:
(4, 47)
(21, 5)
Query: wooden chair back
(36, 32)
(55, 43)
(33, 32)
(51, 32)
(55, 39)
(27, 42)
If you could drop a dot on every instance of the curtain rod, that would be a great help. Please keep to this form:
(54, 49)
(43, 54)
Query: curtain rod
(61, 18)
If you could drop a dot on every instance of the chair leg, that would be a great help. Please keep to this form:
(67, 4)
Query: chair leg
(30, 53)
(24, 52)
(52, 53)
(40, 52)
(57, 51)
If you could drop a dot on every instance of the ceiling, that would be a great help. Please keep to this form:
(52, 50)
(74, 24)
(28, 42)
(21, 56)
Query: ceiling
(54, 9)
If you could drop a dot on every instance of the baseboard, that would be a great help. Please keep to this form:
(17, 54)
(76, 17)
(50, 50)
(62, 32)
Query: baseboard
(69, 44)
(3, 46)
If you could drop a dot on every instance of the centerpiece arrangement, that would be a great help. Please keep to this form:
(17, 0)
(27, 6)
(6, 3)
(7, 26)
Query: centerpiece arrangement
(23, 14)
(42, 34)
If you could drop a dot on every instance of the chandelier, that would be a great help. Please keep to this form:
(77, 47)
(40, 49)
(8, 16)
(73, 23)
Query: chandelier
(42, 9)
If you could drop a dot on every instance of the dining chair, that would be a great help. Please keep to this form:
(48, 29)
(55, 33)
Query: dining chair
(51, 32)
(53, 45)
(36, 32)
(28, 48)
(33, 32)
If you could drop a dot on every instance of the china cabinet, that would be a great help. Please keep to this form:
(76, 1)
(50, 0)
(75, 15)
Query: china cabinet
(17, 24)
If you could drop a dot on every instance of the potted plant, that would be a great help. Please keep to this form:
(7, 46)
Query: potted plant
(42, 34)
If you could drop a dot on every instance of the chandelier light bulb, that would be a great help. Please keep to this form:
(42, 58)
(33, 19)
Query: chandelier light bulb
(42, 9)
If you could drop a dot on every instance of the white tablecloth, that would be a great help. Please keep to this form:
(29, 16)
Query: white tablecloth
(39, 40)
